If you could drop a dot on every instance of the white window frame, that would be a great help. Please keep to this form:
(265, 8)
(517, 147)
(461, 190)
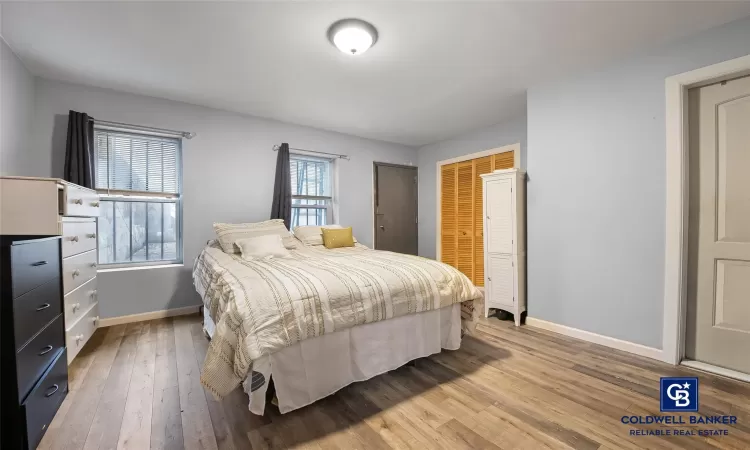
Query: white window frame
(111, 195)
(332, 206)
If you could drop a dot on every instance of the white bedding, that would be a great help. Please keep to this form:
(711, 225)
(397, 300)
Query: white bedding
(262, 307)
(315, 368)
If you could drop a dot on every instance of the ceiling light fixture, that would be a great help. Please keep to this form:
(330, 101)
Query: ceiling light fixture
(352, 36)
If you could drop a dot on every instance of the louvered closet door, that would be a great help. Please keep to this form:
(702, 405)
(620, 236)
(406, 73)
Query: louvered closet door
(461, 213)
(500, 212)
(503, 161)
(448, 244)
(465, 218)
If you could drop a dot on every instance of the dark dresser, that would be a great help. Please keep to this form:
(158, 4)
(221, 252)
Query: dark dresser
(32, 338)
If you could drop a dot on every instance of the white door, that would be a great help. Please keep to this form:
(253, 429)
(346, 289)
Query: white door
(500, 278)
(499, 200)
(718, 326)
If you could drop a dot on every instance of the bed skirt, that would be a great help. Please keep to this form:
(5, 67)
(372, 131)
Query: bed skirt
(315, 368)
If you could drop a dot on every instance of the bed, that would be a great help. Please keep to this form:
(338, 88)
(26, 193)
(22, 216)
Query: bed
(322, 318)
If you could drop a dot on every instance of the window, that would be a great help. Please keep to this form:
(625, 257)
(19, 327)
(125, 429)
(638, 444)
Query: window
(138, 177)
(312, 190)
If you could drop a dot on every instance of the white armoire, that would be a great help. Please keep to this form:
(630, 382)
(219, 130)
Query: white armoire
(505, 241)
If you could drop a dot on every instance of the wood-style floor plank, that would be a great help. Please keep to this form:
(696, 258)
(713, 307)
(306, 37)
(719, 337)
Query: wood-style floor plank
(197, 428)
(135, 432)
(166, 420)
(78, 416)
(138, 386)
(105, 428)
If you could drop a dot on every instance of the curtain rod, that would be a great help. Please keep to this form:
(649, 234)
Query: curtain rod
(277, 146)
(152, 130)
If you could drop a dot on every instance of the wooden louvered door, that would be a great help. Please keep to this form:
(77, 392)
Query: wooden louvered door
(461, 212)
(448, 194)
(465, 218)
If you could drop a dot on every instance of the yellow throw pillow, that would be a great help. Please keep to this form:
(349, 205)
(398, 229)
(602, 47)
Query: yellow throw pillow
(338, 237)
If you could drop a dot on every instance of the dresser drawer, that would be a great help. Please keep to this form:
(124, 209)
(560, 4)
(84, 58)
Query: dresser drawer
(33, 264)
(78, 301)
(77, 336)
(78, 269)
(78, 236)
(35, 309)
(33, 359)
(43, 402)
(80, 202)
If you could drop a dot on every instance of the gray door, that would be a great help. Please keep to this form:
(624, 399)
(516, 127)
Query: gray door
(396, 208)
(718, 325)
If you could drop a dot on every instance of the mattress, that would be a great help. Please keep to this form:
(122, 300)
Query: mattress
(263, 306)
(315, 368)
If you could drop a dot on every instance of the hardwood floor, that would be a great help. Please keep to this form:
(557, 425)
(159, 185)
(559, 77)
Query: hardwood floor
(137, 386)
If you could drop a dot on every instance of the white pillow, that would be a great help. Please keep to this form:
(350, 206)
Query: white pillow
(312, 234)
(228, 233)
(268, 246)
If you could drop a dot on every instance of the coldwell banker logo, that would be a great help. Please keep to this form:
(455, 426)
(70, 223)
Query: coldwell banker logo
(679, 394)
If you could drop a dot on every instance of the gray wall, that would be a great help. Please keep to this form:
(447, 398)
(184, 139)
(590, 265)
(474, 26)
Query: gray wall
(506, 133)
(228, 177)
(596, 195)
(16, 114)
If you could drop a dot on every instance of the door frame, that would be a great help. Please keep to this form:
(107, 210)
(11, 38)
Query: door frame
(493, 151)
(375, 165)
(677, 198)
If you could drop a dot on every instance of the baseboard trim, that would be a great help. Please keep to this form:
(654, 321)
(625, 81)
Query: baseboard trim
(716, 370)
(111, 321)
(626, 346)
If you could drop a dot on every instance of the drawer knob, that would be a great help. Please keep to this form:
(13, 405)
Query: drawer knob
(43, 307)
(76, 273)
(489, 278)
(93, 293)
(39, 263)
(93, 265)
(95, 319)
(74, 239)
(91, 236)
(79, 338)
(76, 307)
(95, 204)
(45, 350)
(54, 388)
(77, 201)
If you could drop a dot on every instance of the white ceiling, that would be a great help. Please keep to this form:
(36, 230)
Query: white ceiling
(438, 69)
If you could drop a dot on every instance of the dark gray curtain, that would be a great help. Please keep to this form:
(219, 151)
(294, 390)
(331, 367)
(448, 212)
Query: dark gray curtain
(281, 208)
(79, 150)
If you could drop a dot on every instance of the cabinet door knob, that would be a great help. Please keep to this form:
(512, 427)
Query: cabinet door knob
(91, 236)
(93, 265)
(43, 307)
(77, 201)
(95, 204)
(489, 278)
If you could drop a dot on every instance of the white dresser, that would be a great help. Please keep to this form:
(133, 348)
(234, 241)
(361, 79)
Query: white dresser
(505, 241)
(50, 206)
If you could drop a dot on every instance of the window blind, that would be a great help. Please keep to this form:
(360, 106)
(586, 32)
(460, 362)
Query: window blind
(136, 162)
(310, 176)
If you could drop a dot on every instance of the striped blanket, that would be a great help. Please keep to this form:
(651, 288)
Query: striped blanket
(262, 306)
